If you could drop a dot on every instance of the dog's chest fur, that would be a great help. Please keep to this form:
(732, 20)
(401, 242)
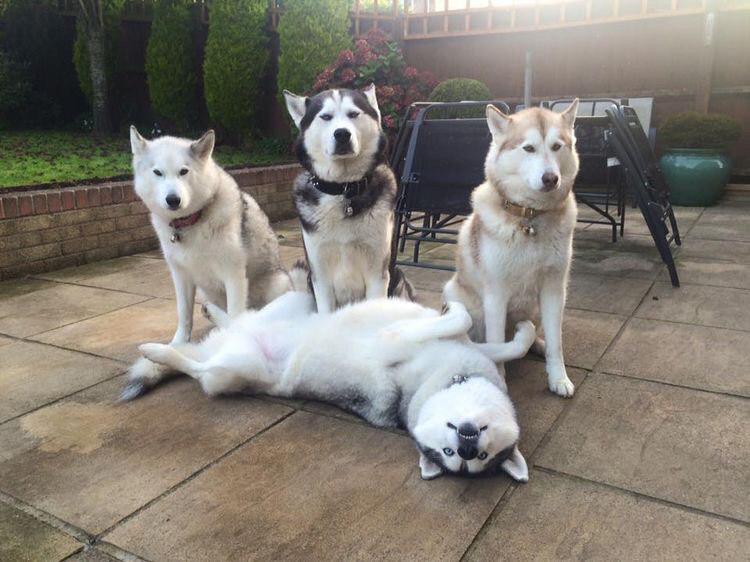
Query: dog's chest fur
(345, 249)
(496, 250)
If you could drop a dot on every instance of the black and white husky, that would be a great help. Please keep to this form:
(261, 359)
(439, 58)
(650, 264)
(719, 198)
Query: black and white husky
(345, 197)
(390, 361)
(215, 239)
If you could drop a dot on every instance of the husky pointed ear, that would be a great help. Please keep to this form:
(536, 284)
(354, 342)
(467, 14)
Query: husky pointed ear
(428, 469)
(497, 121)
(372, 99)
(569, 115)
(137, 143)
(204, 146)
(516, 466)
(296, 106)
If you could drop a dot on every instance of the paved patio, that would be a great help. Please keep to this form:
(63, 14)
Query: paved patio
(650, 459)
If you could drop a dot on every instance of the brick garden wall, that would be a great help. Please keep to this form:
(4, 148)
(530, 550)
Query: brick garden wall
(54, 228)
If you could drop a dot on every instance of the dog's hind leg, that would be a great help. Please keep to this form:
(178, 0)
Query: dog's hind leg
(215, 315)
(169, 356)
(515, 349)
(454, 322)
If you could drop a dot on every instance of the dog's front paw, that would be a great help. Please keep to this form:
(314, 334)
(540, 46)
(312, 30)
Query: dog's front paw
(562, 386)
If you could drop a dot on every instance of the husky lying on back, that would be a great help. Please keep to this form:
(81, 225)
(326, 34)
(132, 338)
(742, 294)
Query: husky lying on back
(515, 249)
(345, 197)
(390, 361)
(214, 237)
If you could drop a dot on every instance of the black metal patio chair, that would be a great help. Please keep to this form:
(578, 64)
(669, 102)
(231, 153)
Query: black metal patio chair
(599, 184)
(438, 162)
(646, 181)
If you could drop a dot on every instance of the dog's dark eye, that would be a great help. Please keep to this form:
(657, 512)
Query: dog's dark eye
(448, 451)
(483, 428)
(326, 117)
(451, 425)
(158, 173)
(184, 171)
(353, 114)
(557, 146)
(528, 148)
(483, 455)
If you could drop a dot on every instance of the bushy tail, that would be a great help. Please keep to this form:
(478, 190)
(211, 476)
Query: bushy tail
(400, 286)
(300, 276)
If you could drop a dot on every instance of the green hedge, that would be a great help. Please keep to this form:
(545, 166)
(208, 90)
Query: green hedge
(461, 89)
(170, 61)
(699, 130)
(235, 60)
(311, 35)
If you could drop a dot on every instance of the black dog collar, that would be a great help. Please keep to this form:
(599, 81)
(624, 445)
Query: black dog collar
(348, 189)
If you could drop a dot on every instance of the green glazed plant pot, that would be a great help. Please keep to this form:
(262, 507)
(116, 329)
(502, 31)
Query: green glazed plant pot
(696, 176)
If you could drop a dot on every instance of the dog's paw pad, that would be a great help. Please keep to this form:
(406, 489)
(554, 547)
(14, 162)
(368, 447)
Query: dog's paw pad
(562, 387)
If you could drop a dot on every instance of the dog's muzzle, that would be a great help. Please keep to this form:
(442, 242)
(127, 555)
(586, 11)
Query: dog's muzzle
(468, 438)
(343, 138)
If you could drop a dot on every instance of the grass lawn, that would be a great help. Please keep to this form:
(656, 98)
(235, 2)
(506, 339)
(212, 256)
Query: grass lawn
(34, 157)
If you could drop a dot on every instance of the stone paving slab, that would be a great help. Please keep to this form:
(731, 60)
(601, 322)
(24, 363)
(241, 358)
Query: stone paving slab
(118, 334)
(33, 374)
(601, 293)
(314, 488)
(90, 461)
(718, 307)
(736, 252)
(680, 445)
(587, 334)
(29, 306)
(6, 341)
(26, 539)
(91, 555)
(686, 218)
(723, 223)
(143, 276)
(716, 273)
(561, 518)
(695, 356)
(537, 408)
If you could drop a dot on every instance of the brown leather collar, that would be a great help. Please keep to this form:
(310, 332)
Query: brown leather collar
(184, 222)
(527, 213)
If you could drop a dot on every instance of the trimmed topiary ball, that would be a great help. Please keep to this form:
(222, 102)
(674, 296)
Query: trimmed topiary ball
(460, 89)
(699, 130)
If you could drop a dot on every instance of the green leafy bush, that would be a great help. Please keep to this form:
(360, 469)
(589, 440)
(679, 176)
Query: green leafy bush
(375, 60)
(461, 89)
(170, 61)
(235, 60)
(699, 130)
(311, 35)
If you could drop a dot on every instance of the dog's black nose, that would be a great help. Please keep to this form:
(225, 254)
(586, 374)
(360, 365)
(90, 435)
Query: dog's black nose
(173, 201)
(549, 180)
(468, 431)
(467, 452)
(342, 135)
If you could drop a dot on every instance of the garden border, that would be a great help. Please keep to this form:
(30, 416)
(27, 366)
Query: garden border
(47, 229)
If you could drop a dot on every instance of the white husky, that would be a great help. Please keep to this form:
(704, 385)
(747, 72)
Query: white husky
(214, 237)
(514, 251)
(345, 197)
(390, 361)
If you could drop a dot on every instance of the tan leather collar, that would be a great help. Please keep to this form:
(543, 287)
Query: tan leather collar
(527, 213)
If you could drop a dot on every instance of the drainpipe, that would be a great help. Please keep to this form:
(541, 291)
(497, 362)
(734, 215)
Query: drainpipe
(527, 81)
